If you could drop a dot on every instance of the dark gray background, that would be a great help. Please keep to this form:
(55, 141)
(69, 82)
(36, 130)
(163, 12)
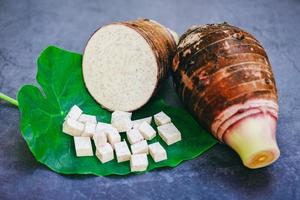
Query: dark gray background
(27, 27)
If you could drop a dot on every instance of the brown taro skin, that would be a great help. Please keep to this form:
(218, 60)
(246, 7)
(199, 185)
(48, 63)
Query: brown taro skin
(161, 42)
(220, 65)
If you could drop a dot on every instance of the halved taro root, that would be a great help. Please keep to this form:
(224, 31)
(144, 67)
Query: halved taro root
(124, 63)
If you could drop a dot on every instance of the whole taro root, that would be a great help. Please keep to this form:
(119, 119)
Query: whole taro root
(224, 77)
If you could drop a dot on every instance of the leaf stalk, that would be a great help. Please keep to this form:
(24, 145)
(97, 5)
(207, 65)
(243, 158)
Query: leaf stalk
(9, 99)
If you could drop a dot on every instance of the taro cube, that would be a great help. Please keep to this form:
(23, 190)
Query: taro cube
(138, 122)
(169, 133)
(113, 135)
(161, 118)
(102, 126)
(139, 147)
(157, 152)
(138, 162)
(147, 131)
(73, 127)
(83, 146)
(74, 113)
(122, 151)
(134, 136)
(89, 129)
(121, 121)
(100, 138)
(118, 113)
(105, 153)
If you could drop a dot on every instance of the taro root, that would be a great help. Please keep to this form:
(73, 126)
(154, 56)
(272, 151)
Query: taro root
(125, 62)
(224, 77)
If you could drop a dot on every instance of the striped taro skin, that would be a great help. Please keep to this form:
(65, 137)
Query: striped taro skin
(219, 66)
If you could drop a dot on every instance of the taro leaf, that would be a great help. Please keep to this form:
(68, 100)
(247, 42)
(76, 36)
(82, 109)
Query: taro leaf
(43, 111)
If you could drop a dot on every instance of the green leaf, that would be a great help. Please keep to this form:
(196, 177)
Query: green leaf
(43, 111)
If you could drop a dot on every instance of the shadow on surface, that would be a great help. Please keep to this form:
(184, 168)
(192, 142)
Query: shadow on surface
(225, 170)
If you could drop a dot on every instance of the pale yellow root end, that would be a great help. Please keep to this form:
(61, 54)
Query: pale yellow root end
(254, 140)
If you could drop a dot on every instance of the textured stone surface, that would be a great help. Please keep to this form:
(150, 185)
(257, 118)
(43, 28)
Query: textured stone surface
(27, 27)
